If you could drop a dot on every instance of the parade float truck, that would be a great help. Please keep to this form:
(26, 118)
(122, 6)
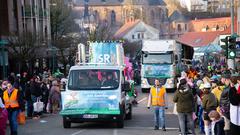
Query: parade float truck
(159, 61)
(97, 89)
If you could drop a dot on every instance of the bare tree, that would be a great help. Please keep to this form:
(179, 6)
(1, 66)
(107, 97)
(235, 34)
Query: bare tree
(101, 32)
(62, 24)
(131, 48)
(22, 47)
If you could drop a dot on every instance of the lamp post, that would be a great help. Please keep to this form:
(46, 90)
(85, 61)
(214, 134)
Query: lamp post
(52, 50)
(2, 44)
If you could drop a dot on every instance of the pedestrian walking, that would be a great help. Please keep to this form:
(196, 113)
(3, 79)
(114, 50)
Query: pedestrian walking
(158, 100)
(45, 91)
(234, 97)
(217, 124)
(185, 106)
(54, 98)
(209, 103)
(3, 118)
(36, 94)
(225, 102)
(14, 104)
(29, 99)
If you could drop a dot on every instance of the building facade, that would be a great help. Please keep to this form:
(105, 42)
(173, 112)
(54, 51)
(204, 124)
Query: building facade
(24, 16)
(118, 12)
(19, 16)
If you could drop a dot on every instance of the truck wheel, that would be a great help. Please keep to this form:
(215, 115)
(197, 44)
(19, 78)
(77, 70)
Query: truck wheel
(145, 90)
(129, 114)
(66, 123)
(120, 123)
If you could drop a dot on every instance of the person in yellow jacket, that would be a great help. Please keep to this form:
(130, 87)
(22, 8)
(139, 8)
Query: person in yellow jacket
(14, 103)
(158, 100)
(217, 91)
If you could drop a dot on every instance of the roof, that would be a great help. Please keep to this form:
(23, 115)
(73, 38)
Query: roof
(228, 30)
(198, 25)
(198, 39)
(156, 2)
(98, 2)
(117, 2)
(126, 28)
(177, 16)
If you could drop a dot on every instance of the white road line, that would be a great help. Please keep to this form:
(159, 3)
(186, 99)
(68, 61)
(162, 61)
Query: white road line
(78, 132)
(115, 132)
(142, 100)
(149, 128)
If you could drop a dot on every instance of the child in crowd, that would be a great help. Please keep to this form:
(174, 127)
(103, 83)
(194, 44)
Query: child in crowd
(217, 124)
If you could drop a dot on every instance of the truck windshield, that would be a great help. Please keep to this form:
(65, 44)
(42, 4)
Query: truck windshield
(91, 79)
(158, 58)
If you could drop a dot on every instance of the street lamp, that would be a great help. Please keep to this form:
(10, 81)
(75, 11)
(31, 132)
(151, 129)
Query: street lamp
(52, 50)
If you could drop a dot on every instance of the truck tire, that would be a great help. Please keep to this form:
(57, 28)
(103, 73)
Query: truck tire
(145, 90)
(129, 114)
(66, 123)
(120, 123)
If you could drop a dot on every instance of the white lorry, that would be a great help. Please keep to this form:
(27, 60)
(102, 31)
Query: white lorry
(96, 90)
(159, 61)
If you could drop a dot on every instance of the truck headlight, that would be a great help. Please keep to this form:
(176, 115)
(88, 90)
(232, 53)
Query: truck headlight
(170, 81)
(144, 82)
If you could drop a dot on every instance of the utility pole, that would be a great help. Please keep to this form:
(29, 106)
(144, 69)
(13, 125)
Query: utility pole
(231, 61)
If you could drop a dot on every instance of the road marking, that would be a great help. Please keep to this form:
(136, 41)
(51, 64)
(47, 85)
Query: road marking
(170, 128)
(142, 100)
(115, 132)
(78, 132)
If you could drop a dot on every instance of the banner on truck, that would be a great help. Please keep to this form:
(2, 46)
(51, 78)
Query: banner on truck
(103, 53)
(90, 102)
(156, 71)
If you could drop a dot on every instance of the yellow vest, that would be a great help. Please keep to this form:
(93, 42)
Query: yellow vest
(10, 102)
(158, 98)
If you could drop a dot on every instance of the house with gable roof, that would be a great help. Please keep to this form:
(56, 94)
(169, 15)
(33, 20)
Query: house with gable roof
(205, 32)
(136, 31)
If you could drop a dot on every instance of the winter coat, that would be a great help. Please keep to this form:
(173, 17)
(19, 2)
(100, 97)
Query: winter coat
(45, 92)
(219, 127)
(185, 101)
(3, 121)
(54, 95)
(35, 89)
(209, 102)
(234, 106)
(225, 102)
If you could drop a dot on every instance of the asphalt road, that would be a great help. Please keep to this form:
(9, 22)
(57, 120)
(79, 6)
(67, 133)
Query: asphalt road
(141, 124)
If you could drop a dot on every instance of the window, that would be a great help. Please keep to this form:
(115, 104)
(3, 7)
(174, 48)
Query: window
(139, 36)
(152, 15)
(179, 28)
(160, 14)
(207, 27)
(142, 35)
(113, 17)
(185, 27)
(96, 15)
(94, 79)
(133, 36)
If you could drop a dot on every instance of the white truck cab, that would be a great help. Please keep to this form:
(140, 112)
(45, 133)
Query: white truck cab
(159, 59)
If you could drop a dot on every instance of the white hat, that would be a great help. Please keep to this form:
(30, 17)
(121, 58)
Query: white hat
(207, 85)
